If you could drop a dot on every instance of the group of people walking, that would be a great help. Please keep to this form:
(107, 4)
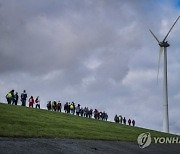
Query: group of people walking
(121, 120)
(54, 106)
(13, 98)
(71, 108)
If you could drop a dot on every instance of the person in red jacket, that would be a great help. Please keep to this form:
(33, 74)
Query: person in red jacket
(31, 101)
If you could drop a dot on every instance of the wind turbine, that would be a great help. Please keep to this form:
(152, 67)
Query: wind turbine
(163, 45)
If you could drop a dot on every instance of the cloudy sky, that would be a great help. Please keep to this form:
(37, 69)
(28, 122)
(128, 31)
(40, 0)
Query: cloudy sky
(98, 53)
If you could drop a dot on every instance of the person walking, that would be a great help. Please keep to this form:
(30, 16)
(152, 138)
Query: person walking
(78, 109)
(133, 122)
(106, 116)
(10, 96)
(90, 113)
(129, 122)
(23, 98)
(116, 119)
(120, 119)
(16, 98)
(54, 105)
(49, 105)
(59, 106)
(37, 101)
(81, 111)
(31, 101)
(96, 114)
(124, 120)
(72, 108)
(68, 107)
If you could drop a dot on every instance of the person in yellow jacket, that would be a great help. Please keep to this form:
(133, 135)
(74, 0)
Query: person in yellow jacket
(72, 108)
(10, 96)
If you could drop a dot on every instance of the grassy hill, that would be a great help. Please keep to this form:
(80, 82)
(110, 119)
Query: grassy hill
(17, 121)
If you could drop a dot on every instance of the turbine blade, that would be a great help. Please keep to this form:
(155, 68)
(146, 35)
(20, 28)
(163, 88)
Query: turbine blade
(154, 35)
(171, 29)
(160, 54)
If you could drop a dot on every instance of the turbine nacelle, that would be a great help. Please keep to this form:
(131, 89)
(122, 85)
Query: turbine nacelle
(164, 44)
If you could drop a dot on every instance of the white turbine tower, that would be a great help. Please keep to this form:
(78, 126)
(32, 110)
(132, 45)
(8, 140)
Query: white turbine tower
(163, 45)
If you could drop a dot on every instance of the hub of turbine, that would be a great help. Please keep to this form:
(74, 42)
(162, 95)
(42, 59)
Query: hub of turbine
(164, 44)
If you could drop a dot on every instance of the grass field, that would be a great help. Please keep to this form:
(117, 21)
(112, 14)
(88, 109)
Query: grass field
(17, 121)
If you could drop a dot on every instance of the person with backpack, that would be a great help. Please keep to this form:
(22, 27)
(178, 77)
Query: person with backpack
(10, 96)
(23, 98)
(31, 101)
(37, 101)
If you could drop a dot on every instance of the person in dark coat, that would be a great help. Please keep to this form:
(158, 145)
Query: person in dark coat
(82, 111)
(49, 105)
(116, 119)
(68, 107)
(106, 116)
(129, 122)
(133, 122)
(96, 114)
(23, 98)
(59, 106)
(124, 120)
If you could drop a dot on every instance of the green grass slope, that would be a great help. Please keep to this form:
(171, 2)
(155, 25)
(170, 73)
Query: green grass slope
(17, 121)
